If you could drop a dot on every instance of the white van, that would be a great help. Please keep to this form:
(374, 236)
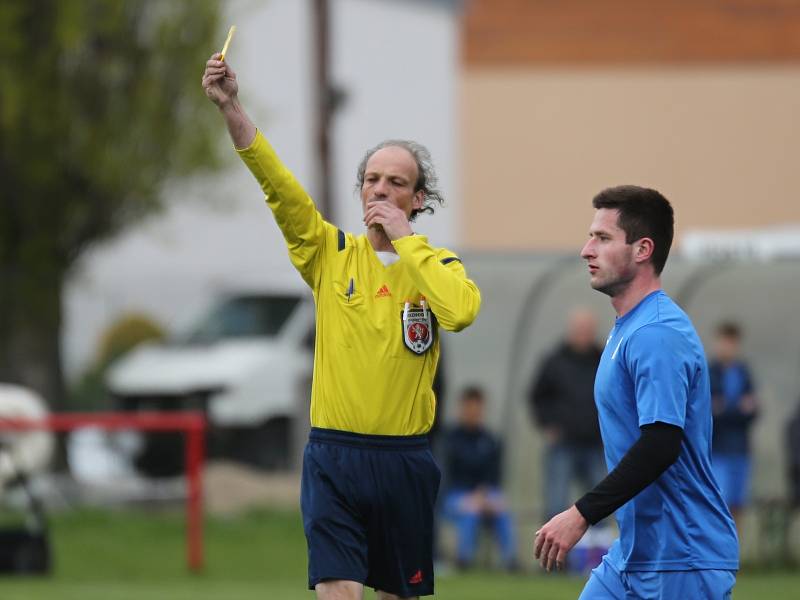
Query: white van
(247, 363)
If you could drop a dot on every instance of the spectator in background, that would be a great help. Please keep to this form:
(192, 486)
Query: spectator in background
(793, 448)
(562, 403)
(472, 457)
(734, 407)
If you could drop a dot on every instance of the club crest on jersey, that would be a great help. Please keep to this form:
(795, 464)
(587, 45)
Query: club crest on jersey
(417, 329)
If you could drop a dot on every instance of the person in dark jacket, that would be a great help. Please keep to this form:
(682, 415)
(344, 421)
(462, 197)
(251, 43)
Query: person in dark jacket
(562, 404)
(472, 457)
(735, 407)
(793, 451)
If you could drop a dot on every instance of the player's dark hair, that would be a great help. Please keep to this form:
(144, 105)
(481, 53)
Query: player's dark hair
(643, 212)
(729, 329)
(426, 174)
(473, 392)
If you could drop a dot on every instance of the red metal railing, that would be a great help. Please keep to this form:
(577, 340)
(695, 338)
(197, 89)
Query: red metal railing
(191, 423)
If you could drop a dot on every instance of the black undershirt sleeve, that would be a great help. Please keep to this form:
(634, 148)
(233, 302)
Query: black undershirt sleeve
(653, 453)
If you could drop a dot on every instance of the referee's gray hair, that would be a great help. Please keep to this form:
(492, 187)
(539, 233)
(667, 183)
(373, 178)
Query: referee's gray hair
(426, 175)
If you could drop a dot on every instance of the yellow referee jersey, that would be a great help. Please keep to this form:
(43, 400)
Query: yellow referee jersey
(377, 342)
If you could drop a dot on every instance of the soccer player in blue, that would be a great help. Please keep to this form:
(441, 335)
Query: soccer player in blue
(677, 538)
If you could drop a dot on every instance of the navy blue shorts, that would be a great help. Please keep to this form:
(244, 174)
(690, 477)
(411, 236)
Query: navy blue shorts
(367, 503)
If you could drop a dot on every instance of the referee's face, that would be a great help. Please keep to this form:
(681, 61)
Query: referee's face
(609, 258)
(391, 175)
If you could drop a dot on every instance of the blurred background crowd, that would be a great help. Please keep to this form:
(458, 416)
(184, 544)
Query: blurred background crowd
(141, 271)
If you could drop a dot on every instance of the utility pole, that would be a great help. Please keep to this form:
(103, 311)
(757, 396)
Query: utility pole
(324, 105)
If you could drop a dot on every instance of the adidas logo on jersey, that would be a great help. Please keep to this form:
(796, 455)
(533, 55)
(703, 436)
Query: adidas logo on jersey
(383, 292)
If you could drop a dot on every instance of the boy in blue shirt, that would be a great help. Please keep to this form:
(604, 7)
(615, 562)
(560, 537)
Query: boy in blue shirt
(677, 537)
(472, 464)
(734, 406)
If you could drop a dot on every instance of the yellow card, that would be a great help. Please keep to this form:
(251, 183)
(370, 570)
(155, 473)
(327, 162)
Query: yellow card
(228, 41)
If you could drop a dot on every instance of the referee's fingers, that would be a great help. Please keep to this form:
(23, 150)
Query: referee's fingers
(377, 210)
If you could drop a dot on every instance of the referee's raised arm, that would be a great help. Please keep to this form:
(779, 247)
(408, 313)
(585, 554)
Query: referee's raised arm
(300, 222)
(220, 85)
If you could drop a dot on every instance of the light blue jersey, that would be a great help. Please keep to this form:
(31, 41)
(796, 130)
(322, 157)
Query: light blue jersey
(654, 369)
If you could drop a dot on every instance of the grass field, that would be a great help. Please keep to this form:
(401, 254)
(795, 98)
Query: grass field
(137, 555)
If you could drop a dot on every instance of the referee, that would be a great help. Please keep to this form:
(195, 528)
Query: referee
(369, 480)
(677, 538)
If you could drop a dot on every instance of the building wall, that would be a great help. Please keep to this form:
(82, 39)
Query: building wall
(722, 143)
(561, 99)
(601, 32)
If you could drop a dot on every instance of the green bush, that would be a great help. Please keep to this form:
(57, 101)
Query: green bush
(130, 330)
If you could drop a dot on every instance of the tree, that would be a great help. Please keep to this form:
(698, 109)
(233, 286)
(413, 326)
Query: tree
(127, 332)
(99, 104)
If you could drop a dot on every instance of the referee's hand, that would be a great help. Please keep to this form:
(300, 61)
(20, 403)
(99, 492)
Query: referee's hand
(557, 537)
(219, 81)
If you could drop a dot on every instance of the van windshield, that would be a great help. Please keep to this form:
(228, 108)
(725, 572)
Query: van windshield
(242, 316)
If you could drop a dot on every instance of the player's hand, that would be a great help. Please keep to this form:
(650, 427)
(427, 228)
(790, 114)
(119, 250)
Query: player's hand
(385, 214)
(557, 537)
(219, 81)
